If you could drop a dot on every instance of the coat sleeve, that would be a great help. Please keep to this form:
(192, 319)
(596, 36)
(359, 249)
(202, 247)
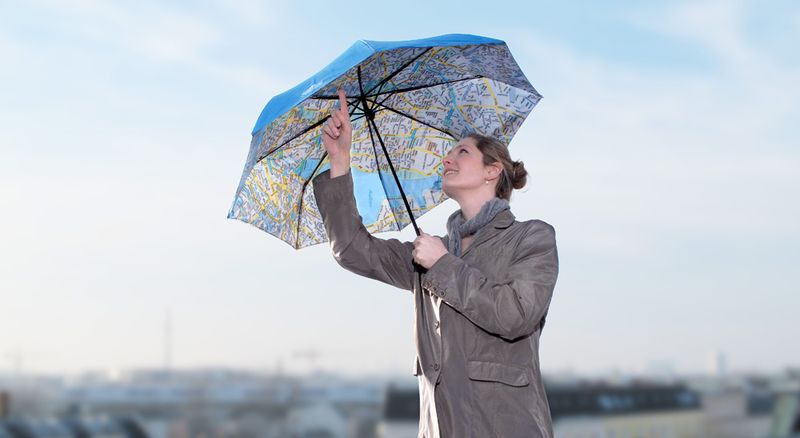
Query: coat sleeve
(354, 248)
(512, 307)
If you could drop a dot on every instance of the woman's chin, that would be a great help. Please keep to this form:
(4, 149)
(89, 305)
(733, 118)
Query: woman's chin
(449, 190)
(446, 190)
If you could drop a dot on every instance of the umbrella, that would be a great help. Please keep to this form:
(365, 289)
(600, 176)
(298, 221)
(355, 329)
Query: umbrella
(410, 102)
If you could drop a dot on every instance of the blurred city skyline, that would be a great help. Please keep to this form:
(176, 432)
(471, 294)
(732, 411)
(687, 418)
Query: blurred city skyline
(664, 153)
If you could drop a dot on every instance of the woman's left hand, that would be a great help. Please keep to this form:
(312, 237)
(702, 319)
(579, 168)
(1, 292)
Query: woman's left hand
(428, 250)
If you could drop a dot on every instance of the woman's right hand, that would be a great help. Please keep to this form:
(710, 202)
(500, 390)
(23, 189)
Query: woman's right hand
(337, 137)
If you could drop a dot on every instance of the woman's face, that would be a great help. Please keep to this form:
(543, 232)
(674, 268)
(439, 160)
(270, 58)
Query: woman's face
(463, 168)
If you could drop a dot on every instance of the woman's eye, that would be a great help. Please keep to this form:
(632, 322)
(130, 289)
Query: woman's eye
(462, 150)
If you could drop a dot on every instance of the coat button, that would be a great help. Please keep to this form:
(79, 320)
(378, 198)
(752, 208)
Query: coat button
(436, 324)
(436, 367)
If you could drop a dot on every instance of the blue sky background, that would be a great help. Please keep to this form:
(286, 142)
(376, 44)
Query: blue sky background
(664, 153)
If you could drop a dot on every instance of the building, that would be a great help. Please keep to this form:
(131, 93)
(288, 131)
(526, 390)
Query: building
(638, 410)
(400, 413)
(786, 416)
(737, 413)
(71, 427)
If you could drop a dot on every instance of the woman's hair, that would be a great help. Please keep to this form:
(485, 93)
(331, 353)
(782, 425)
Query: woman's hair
(514, 174)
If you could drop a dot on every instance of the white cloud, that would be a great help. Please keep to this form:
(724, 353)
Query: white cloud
(158, 33)
(153, 30)
(663, 150)
(254, 12)
(174, 38)
(715, 23)
(768, 85)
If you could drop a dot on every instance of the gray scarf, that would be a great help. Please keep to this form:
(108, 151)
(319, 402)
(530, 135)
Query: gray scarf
(458, 227)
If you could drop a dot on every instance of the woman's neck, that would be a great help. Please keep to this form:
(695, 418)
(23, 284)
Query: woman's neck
(471, 205)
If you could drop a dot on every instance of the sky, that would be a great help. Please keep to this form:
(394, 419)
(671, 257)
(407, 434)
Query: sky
(664, 153)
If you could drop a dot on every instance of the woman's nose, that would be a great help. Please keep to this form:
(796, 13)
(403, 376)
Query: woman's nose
(446, 160)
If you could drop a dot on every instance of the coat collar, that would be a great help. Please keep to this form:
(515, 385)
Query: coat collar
(501, 221)
(504, 219)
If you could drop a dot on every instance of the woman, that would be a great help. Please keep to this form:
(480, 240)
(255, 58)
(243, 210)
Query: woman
(481, 307)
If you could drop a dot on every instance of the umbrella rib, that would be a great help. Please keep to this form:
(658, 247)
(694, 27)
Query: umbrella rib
(396, 179)
(302, 192)
(370, 115)
(415, 119)
(405, 90)
(361, 116)
(396, 72)
(304, 131)
(420, 87)
(380, 175)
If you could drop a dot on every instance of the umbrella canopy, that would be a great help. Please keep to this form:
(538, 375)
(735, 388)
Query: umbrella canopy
(410, 102)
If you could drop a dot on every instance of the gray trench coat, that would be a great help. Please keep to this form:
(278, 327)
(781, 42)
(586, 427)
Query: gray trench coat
(477, 320)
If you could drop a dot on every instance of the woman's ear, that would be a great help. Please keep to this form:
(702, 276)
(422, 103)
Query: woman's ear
(494, 170)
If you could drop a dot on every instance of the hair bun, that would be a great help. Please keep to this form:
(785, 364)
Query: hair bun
(518, 175)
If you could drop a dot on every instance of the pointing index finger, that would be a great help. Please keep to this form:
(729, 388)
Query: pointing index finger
(343, 101)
